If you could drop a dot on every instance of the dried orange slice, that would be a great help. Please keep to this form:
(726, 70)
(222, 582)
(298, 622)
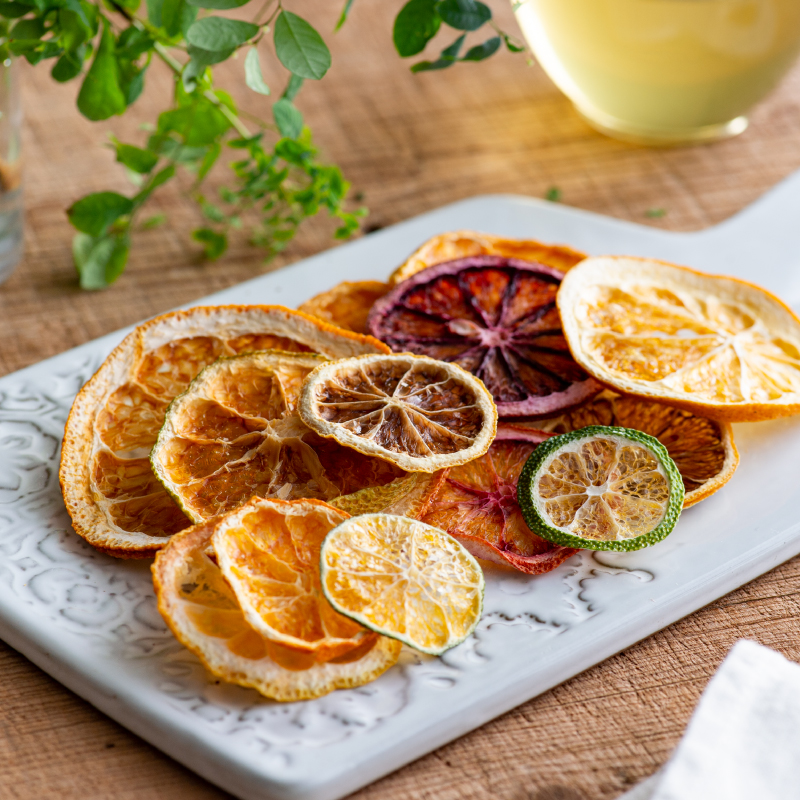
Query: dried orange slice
(409, 496)
(347, 304)
(702, 449)
(477, 505)
(268, 551)
(115, 501)
(420, 414)
(462, 244)
(496, 317)
(202, 611)
(717, 346)
(235, 433)
(403, 579)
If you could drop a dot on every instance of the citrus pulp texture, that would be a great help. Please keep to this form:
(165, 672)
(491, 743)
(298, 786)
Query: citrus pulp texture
(347, 304)
(115, 501)
(417, 413)
(601, 488)
(497, 318)
(718, 346)
(403, 579)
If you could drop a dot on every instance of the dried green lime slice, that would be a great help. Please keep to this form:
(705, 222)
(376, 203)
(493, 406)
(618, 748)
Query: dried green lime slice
(601, 488)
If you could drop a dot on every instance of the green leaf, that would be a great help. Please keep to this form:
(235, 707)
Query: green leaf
(300, 48)
(94, 213)
(199, 125)
(154, 221)
(217, 33)
(135, 158)
(214, 244)
(288, 118)
(252, 72)
(511, 44)
(416, 24)
(13, 10)
(345, 13)
(28, 29)
(553, 194)
(171, 16)
(67, 67)
(293, 87)
(99, 261)
(74, 31)
(451, 53)
(154, 12)
(429, 66)
(100, 96)
(219, 5)
(464, 15)
(208, 161)
(482, 51)
(160, 178)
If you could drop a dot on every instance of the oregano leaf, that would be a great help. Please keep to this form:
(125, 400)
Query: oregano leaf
(416, 24)
(300, 48)
(252, 72)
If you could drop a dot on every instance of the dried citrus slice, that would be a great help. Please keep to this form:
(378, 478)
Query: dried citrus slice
(420, 414)
(114, 499)
(477, 505)
(347, 304)
(202, 611)
(409, 496)
(717, 346)
(702, 449)
(495, 317)
(461, 244)
(268, 551)
(601, 488)
(403, 579)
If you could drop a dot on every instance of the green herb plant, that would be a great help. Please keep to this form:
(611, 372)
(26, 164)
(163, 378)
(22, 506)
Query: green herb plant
(278, 180)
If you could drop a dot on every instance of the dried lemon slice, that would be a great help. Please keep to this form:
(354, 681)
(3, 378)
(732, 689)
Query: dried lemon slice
(418, 413)
(462, 244)
(403, 579)
(115, 501)
(235, 433)
(347, 304)
(601, 488)
(202, 611)
(717, 346)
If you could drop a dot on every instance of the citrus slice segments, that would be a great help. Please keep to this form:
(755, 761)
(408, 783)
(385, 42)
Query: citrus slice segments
(497, 318)
(409, 496)
(403, 579)
(202, 611)
(418, 413)
(703, 449)
(714, 345)
(235, 433)
(347, 304)
(268, 551)
(463, 244)
(108, 488)
(601, 488)
(477, 505)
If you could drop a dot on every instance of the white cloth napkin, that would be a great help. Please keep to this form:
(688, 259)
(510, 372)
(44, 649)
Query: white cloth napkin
(743, 740)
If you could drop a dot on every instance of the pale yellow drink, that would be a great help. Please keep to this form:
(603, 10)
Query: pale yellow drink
(663, 70)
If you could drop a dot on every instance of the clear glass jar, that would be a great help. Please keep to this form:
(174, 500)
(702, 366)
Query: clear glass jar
(11, 218)
(663, 71)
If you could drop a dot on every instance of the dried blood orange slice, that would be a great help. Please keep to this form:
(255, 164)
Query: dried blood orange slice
(495, 317)
(477, 505)
(202, 611)
(420, 414)
(702, 449)
(462, 244)
(114, 500)
(347, 304)
(235, 433)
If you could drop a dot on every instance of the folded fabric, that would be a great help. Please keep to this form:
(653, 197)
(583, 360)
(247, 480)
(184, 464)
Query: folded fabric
(743, 740)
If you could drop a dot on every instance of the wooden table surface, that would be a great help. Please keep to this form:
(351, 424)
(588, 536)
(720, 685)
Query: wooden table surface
(409, 144)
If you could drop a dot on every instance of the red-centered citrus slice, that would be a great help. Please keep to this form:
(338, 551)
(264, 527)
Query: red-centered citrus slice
(417, 413)
(477, 505)
(202, 611)
(497, 318)
(114, 499)
(347, 304)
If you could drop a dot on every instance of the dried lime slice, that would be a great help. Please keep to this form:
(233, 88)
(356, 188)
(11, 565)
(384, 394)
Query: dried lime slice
(601, 488)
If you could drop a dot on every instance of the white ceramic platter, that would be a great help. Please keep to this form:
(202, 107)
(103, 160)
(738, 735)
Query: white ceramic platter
(91, 622)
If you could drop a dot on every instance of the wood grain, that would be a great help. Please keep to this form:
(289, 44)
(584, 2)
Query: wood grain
(408, 144)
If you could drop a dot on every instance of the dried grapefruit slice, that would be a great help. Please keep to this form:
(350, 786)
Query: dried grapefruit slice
(477, 505)
(235, 433)
(714, 345)
(202, 611)
(114, 500)
(347, 304)
(601, 488)
(420, 414)
(403, 579)
(462, 244)
(495, 317)
(702, 449)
